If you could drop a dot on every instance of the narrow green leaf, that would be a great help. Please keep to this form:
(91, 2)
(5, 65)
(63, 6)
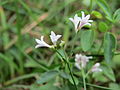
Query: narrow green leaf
(87, 38)
(102, 27)
(47, 76)
(116, 15)
(105, 7)
(114, 86)
(64, 75)
(3, 18)
(97, 14)
(108, 72)
(50, 85)
(109, 46)
(76, 80)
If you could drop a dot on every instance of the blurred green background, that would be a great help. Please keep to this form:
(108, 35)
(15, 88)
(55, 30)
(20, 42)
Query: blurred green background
(21, 21)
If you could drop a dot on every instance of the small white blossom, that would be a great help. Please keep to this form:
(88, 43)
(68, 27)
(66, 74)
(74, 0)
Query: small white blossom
(42, 43)
(81, 60)
(54, 37)
(96, 68)
(80, 22)
(75, 21)
(84, 20)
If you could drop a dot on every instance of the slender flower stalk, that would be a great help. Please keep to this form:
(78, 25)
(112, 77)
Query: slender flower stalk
(84, 82)
(71, 74)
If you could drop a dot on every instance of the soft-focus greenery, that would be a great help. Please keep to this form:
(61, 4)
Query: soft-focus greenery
(22, 66)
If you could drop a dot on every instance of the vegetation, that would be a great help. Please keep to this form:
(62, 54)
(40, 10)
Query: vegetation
(24, 67)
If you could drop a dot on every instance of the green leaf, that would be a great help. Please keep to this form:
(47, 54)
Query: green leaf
(87, 38)
(109, 46)
(116, 60)
(47, 86)
(97, 14)
(76, 80)
(114, 86)
(47, 76)
(64, 75)
(105, 7)
(101, 77)
(108, 72)
(116, 15)
(3, 18)
(102, 27)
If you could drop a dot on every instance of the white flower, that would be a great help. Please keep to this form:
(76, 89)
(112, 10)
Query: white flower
(75, 21)
(81, 60)
(96, 68)
(41, 43)
(54, 37)
(80, 22)
(84, 20)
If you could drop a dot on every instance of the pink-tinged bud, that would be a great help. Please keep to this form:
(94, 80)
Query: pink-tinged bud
(81, 61)
(96, 68)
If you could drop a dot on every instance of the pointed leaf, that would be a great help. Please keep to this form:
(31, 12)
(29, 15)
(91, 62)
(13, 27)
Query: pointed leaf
(47, 76)
(87, 38)
(109, 46)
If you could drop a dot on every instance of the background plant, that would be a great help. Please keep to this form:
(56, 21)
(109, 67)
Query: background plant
(22, 21)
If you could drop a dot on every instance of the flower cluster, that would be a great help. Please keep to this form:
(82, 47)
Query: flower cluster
(54, 38)
(80, 22)
(81, 62)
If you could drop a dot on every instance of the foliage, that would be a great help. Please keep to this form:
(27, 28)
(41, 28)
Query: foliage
(24, 67)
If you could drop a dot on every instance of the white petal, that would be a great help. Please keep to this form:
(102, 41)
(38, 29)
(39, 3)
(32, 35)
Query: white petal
(81, 60)
(77, 65)
(42, 37)
(87, 24)
(71, 19)
(41, 43)
(52, 33)
(37, 40)
(58, 36)
(37, 46)
(96, 68)
(54, 38)
(87, 17)
(75, 21)
(90, 20)
(97, 65)
(83, 14)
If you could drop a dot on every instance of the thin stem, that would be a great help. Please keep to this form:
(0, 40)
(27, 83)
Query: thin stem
(83, 74)
(87, 73)
(93, 85)
(91, 4)
(68, 68)
(74, 39)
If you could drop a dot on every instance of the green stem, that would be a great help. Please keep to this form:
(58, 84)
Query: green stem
(96, 86)
(91, 5)
(83, 74)
(87, 73)
(73, 44)
(68, 68)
